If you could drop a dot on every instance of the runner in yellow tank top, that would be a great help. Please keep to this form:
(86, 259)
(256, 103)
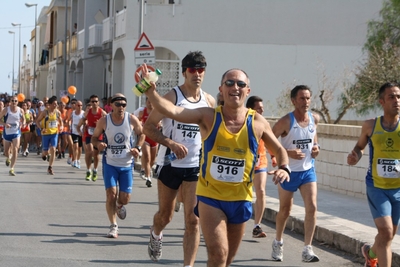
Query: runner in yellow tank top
(230, 170)
(50, 121)
(383, 176)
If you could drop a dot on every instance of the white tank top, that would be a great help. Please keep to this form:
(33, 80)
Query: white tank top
(119, 142)
(75, 121)
(300, 138)
(183, 133)
(14, 119)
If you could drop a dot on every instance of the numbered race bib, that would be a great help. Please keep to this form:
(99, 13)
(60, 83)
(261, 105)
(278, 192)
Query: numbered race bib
(227, 170)
(52, 124)
(14, 128)
(187, 133)
(90, 130)
(387, 168)
(303, 144)
(117, 151)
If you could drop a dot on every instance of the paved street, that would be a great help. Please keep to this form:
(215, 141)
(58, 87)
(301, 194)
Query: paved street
(60, 220)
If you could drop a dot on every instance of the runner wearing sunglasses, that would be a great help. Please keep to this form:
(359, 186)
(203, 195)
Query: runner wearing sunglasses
(118, 127)
(12, 117)
(184, 140)
(91, 117)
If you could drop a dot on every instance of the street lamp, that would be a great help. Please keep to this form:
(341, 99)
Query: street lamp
(36, 37)
(12, 82)
(19, 56)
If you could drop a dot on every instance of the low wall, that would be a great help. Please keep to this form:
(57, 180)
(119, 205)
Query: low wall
(333, 172)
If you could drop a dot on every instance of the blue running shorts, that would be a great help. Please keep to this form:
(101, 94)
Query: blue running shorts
(49, 140)
(121, 176)
(297, 179)
(384, 202)
(236, 211)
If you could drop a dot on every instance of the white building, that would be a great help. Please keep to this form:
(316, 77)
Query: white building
(274, 41)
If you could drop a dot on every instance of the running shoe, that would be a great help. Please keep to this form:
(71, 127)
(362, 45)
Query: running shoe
(258, 232)
(94, 176)
(113, 233)
(155, 247)
(63, 155)
(277, 251)
(88, 176)
(308, 255)
(26, 153)
(69, 160)
(148, 182)
(44, 158)
(59, 156)
(142, 175)
(73, 164)
(369, 262)
(11, 172)
(50, 170)
(8, 161)
(121, 212)
(178, 206)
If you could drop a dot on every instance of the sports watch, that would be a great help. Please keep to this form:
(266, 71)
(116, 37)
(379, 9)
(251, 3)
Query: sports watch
(286, 168)
(139, 148)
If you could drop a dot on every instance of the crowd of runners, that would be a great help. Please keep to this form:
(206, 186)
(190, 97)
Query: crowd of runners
(209, 156)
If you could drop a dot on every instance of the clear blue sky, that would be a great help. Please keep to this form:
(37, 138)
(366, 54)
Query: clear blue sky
(15, 11)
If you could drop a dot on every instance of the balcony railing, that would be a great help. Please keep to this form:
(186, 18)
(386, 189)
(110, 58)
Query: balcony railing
(73, 43)
(95, 35)
(107, 30)
(120, 23)
(81, 39)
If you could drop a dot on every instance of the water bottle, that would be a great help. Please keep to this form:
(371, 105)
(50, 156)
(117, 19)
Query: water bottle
(144, 84)
(169, 158)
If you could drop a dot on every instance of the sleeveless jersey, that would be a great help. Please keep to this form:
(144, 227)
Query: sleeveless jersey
(50, 123)
(228, 160)
(300, 138)
(184, 133)
(145, 115)
(384, 148)
(27, 116)
(92, 121)
(14, 119)
(64, 116)
(262, 161)
(75, 121)
(119, 142)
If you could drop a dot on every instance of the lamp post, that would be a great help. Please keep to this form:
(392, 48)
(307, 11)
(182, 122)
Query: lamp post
(19, 56)
(12, 82)
(36, 37)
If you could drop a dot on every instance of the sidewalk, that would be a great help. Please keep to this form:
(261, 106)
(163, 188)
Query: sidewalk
(343, 222)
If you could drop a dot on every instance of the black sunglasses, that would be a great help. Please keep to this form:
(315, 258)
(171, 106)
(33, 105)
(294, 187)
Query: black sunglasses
(118, 104)
(94, 101)
(231, 83)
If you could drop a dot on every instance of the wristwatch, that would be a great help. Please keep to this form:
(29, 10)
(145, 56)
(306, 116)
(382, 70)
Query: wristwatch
(286, 168)
(139, 148)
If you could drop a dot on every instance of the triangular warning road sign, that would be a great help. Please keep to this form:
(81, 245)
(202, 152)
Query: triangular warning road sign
(144, 43)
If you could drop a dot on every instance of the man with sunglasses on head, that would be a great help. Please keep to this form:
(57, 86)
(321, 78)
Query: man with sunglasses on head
(118, 127)
(298, 133)
(50, 124)
(12, 118)
(91, 117)
(182, 139)
(230, 136)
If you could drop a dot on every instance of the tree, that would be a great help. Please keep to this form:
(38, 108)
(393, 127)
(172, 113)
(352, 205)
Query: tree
(383, 59)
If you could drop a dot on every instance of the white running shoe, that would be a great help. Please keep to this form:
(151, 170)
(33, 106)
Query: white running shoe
(113, 233)
(155, 247)
(308, 255)
(277, 251)
(121, 212)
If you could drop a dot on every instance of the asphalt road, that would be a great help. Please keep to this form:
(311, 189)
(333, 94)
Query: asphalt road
(60, 220)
